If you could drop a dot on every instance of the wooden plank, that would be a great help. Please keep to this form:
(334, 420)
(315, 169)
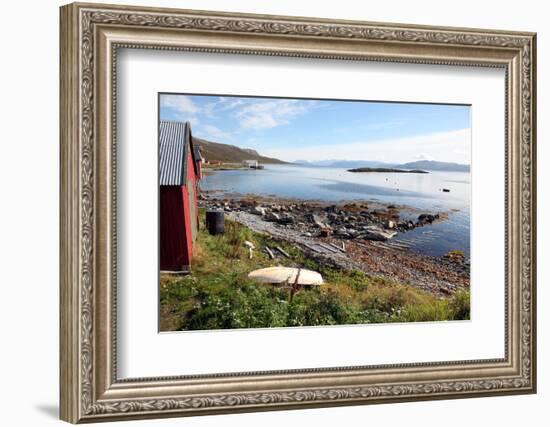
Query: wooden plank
(337, 247)
(281, 250)
(270, 253)
(328, 248)
(313, 248)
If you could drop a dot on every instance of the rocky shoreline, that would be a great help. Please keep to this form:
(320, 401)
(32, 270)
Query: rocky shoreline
(350, 236)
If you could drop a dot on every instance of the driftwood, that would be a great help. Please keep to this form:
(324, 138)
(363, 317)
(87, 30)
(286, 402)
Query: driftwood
(337, 247)
(281, 250)
(318, 248)
(312, 248)
(270, 253)
(328, 248)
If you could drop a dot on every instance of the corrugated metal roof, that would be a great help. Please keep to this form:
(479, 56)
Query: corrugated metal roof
(174, 141)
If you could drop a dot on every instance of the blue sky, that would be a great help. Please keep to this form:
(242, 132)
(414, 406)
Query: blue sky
(296, 129)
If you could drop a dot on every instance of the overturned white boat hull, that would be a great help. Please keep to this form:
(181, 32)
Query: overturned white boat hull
(290, 275)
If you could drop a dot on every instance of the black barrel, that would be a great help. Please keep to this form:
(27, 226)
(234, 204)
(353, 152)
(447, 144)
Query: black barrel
(215, 221)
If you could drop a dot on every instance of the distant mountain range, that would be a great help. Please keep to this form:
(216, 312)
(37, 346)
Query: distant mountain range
(344, 163)
(430, 165)
(229, 153)
(433, 165)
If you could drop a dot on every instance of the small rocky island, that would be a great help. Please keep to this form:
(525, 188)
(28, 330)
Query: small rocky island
(386, 170)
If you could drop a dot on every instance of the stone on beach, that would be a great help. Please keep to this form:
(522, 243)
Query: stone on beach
(427, 218)
(272, 217)
(286, 219)
(315, 219)
(258, 210)
(378, 234)
(326, 232)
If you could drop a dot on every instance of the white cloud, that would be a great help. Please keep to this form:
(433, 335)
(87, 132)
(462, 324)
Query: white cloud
(181, 103)
(214, 133)
(424, 156)
(229, 103)
(269, 114)
(248, 113)
(452, 146)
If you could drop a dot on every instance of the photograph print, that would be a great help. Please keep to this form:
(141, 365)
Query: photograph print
(287, 212)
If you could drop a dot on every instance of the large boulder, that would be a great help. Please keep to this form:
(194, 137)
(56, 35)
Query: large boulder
(427, 218)
(315, 219)
(258, 210)
(286, 219)
(272, 217)
(378, 234)
(332, 217)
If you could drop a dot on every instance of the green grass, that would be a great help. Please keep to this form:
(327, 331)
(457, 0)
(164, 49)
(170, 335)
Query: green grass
(219, 295)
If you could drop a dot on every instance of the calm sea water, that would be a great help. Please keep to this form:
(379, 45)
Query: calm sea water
(422, 192)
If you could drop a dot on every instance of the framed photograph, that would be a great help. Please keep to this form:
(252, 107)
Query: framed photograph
(267, 212)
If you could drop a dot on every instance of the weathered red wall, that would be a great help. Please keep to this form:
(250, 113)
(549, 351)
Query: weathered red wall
(174, 250)
(187, 224)
(176, 241)
(199, 169)
(192, 178)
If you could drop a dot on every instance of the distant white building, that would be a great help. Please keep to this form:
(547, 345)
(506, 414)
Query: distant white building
(250, 163)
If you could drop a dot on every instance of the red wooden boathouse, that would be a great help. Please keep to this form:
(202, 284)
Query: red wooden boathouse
(179, 175)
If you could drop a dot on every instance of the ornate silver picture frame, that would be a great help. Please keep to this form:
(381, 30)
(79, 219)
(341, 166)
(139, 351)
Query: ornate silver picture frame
(91, 34)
